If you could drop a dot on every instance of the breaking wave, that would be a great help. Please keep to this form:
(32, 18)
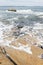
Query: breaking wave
(28, 11)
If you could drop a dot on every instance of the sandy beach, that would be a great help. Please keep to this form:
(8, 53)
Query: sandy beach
(20, 55)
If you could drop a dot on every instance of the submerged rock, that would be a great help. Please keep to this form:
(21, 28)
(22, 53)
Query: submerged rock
(20, 26)
(15, 33)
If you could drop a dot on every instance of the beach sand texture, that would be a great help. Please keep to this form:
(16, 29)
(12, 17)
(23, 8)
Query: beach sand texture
(21, 57)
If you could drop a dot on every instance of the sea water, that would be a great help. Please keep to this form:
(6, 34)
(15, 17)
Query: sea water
(29, 17)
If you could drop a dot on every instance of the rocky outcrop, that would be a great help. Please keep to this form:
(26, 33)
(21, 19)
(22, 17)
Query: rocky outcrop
(14, 10)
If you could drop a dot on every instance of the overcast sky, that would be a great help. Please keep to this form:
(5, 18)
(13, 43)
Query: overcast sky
(21, 2)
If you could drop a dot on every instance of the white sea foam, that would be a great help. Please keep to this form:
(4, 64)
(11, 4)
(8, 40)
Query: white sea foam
(15, 18)
(25, 29)
(29, 11)
(39, 13)
(21, 47)
(38, 26)
(26, 16)
(4, 29)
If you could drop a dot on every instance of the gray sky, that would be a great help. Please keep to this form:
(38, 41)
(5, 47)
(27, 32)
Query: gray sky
(21, 2)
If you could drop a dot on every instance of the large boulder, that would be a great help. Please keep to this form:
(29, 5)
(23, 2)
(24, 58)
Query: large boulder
(14, 10)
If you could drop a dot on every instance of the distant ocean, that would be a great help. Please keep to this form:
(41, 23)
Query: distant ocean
(24, 16)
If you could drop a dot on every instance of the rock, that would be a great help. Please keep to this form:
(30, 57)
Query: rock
(41, 46)
(0, 62)
(14, 10)
(15, 33)
(41, 56)
(20, 26)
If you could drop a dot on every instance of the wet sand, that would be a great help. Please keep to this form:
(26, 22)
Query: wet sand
(20, 57)
(23, 58)
(4, 60)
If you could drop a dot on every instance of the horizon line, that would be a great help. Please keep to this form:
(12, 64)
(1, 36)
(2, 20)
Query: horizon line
(20, 5)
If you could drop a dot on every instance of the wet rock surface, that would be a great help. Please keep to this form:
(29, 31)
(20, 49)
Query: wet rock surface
(13, 10)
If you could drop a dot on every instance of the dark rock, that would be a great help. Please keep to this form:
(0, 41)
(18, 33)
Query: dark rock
(41, 46)
(14, 10)
(0, 62)
(20, 26)
(16, 33)
(41, 56)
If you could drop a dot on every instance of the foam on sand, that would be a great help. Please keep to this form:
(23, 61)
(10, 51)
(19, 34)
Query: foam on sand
(21, 47)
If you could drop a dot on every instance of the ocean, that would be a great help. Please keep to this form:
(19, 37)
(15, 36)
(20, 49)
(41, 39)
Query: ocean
(27, 14)
(26, 17)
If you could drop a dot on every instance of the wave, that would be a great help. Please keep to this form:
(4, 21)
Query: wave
(26, 29)
(28, 11)
(38, 26)
(39, 13)
(25, 20)
(23, 16)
